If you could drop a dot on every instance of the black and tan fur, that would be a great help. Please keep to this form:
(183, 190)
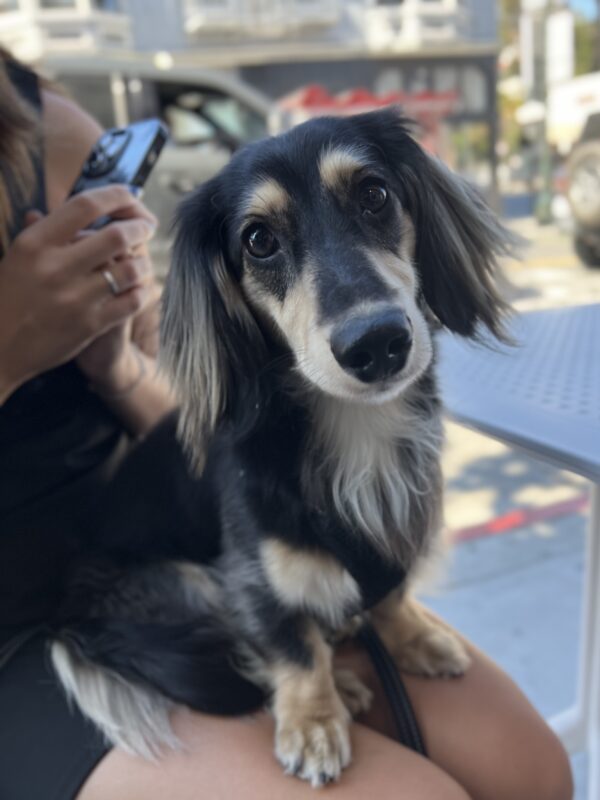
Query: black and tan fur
(308, 280)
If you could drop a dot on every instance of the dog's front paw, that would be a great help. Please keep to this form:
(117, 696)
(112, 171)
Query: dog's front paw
(355, 695)
(348, 630)
(315, 749)
(435, 653)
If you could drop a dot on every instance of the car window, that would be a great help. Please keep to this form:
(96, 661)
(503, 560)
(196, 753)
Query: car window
(233, 121)
(591, 130)
(187, 127)
(238, 120)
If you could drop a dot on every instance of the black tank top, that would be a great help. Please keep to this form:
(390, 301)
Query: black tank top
(59, 445)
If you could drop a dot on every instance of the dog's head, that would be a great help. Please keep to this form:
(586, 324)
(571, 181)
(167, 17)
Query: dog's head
(338, 241)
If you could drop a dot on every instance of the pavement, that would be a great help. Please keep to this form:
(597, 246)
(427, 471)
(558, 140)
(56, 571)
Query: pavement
(514, 578)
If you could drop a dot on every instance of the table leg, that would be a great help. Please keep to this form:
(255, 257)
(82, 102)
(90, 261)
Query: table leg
(579, 725)
(590, 667)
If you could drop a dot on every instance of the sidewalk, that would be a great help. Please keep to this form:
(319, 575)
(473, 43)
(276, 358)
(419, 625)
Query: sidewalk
(549, 274)
(515, 594)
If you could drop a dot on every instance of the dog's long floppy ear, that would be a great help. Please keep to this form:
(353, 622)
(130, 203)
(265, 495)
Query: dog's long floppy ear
(211, 345)
(458, 238)
(459, 241)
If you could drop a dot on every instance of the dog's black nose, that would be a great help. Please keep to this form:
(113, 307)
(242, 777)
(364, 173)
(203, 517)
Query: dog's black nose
(373, 348)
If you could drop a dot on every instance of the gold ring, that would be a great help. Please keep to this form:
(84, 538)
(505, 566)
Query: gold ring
(112, 283)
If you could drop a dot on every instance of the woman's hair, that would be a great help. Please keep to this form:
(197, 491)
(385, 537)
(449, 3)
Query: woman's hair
(19, 132)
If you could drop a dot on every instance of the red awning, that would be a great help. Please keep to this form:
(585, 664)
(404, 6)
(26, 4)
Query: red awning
(315, 99)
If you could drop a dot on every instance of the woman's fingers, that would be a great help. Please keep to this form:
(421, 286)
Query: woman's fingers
(115, 240)
(137, 209)
(31, 217)
(145, 331)
(118, 276)
(80, 211)
(123, 306)
(119, 290)
(106, 310)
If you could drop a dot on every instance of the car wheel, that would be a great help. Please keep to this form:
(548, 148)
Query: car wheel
(584, 184)
(587, 253)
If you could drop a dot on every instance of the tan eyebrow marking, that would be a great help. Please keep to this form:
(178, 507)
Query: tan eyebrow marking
(266, 198)
(338, 164)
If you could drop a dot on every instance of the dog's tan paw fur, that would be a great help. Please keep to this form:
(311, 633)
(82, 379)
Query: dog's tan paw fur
(435, 653)
(354, 694)
(312, 731)
(315, 748)
(420, 643)
(349, 630)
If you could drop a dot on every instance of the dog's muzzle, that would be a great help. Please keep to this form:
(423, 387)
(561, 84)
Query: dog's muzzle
(373, 348)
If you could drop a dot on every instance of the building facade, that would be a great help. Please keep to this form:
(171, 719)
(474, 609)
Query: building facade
(34, 29)
(383, 46)
(248, 31)
(278, 46)
(265, 28)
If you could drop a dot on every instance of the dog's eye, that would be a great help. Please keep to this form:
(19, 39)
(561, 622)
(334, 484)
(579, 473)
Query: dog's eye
(372, 195)
(259, 241)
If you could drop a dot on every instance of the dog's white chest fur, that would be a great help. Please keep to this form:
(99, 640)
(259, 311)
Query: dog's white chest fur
(378, 469)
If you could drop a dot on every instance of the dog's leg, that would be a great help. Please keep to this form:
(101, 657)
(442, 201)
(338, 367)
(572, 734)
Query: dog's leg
(420, 644)
(348, 630)
(312, 723)
(355, 695)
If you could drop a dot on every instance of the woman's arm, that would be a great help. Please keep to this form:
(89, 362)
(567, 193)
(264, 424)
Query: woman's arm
(8, 384)
(134, 390)
(122, 373)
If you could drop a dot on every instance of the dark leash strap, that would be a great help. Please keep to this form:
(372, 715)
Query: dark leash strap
(407, 727)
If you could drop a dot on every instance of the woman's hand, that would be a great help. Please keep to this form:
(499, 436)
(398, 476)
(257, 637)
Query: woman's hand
(110, 361)
(54, 299)
(145, 329)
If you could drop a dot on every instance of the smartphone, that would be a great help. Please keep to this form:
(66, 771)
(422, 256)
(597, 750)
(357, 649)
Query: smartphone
(123, 155)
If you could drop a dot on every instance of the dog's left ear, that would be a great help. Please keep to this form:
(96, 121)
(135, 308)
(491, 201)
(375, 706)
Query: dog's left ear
(458, 238)
(458, 243)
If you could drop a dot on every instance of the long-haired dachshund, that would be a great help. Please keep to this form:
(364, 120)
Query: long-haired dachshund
(308, 279)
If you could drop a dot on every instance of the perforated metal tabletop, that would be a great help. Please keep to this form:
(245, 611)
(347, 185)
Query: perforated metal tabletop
(543, 394)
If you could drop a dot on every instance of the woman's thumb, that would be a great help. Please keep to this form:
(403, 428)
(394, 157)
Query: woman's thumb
(31, 217)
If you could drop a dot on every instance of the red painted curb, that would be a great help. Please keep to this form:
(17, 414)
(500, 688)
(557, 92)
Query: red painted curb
(520, 518)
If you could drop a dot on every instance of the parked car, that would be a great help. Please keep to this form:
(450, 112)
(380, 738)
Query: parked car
(210, 113)
(584, 192)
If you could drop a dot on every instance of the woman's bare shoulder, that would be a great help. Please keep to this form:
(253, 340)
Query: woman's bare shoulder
(69, 135)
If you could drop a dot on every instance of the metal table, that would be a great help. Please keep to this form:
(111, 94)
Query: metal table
(543, 396)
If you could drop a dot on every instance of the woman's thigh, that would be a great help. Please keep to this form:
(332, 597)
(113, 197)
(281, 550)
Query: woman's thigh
(480, 731)
(485, 733)
(479, 728)
(227, 759)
